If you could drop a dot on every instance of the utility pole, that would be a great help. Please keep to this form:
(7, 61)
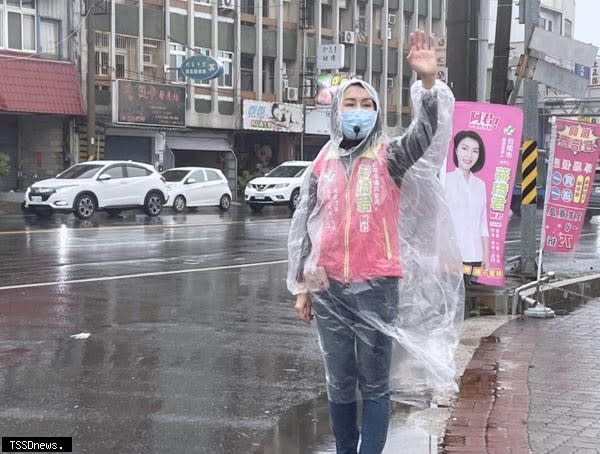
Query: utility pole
(462, 51)
(90, 80)
(527, 264)
(501, 52)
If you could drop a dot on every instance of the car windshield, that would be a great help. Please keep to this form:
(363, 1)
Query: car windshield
(175, 175)
(286, 171)
(80, 171)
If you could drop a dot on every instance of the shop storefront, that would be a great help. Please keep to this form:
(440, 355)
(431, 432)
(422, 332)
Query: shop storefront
(271, 134)
(40, 101)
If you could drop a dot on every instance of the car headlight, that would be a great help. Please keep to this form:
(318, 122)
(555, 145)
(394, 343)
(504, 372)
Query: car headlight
(46, 190)
(281, 185)
(58, 188)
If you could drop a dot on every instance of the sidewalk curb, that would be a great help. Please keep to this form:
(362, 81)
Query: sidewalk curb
(491, 411)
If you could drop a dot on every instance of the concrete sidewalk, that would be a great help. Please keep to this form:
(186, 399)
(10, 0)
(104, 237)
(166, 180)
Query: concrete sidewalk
(533, 385)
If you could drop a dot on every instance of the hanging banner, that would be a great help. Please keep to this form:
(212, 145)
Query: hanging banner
(272, 116)
(480, 175)
(576, 149)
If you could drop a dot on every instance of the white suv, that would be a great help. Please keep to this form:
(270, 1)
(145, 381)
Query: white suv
(281, 186)
(99, 185)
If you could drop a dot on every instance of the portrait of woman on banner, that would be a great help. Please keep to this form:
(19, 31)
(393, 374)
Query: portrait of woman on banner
(467, 201)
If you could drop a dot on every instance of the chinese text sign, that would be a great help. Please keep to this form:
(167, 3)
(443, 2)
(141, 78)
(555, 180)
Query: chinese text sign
(482, 160)
(576, 151)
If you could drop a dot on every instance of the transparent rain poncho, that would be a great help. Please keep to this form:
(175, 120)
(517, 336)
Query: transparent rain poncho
(372, 242)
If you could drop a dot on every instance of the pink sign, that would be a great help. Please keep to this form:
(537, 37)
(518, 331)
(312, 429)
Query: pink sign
(571, 176)
(482, 160)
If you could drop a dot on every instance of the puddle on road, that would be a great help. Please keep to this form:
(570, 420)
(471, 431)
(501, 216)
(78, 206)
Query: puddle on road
(304, 429)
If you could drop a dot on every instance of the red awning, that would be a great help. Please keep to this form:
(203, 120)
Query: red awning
(39, 86)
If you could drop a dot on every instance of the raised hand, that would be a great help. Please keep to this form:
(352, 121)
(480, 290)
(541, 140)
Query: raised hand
(421, 57)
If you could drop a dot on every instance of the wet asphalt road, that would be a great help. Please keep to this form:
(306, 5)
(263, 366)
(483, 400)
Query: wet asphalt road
(193, 347)
(193, 342)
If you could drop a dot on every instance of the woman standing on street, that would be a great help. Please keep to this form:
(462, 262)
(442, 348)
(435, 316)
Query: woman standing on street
(351, 262)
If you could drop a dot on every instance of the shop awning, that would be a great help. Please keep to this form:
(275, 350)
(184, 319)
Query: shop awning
(31, 85)
(197, 143)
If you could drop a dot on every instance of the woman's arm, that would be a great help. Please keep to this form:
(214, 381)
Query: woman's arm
(299, 243)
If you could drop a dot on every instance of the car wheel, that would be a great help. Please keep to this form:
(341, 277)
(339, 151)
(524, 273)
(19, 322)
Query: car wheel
(179, 204)
(588, 216)
(84, 206)
(256, 207)
(225, 202)
(113, 211)
(153, 204)
(294, 200)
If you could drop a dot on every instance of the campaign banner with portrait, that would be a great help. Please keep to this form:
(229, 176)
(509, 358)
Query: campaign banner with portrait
(575, 156)
(480, 175)
(150, 104)
(272, 116)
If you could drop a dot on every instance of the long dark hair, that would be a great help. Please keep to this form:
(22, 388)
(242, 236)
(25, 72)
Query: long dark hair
(468, 134)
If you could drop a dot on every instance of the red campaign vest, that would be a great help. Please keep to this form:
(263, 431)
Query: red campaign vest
(358, 229)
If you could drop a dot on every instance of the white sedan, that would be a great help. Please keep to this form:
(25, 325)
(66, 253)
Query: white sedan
(191, 187)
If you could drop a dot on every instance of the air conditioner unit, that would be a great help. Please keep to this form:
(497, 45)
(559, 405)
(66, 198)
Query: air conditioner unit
(391, 19)
(291, 94)
(147, 59)
(348, 37)
(227, 4)
(389, 83)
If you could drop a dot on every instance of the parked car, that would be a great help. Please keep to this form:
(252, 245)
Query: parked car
(281, 186)
(191, 187)
(91, 186)
(594, 203)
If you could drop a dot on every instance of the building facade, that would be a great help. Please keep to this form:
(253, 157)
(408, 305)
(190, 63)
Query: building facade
(40, 92)
(263, 109)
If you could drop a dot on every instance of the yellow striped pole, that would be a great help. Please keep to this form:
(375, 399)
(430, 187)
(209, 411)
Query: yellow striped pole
(529, 172)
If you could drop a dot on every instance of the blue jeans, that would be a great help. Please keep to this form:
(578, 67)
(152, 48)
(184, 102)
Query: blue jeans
(357, 352)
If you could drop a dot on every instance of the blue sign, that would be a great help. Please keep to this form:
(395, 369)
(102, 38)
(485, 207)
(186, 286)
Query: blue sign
(582, 71)
(201, 67)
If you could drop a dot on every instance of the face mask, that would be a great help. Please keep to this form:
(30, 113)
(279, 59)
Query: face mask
(358, 123)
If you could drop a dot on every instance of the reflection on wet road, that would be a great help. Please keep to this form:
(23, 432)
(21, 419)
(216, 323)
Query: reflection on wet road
(194, 345)
(205, 359)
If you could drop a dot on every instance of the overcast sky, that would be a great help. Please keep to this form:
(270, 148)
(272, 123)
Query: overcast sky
(587, 13)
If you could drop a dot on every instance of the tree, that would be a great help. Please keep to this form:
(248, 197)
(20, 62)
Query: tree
(4, 164)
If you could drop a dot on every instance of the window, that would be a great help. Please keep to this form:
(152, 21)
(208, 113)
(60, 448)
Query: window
(407, 27)
(362, 18)
(212, 175)
(50, 37)
(177, 55)
(568, 28)
(198, 176)
(226, 79)
(247, 71)
(268, 75)
(135, 171)
(326, 16)
(114, 172)
(247, 6)
(120, 66)
(17, 23)
(102, 67)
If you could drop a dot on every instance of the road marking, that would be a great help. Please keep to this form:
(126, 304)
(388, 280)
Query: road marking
(133, 276)
(131, 227)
